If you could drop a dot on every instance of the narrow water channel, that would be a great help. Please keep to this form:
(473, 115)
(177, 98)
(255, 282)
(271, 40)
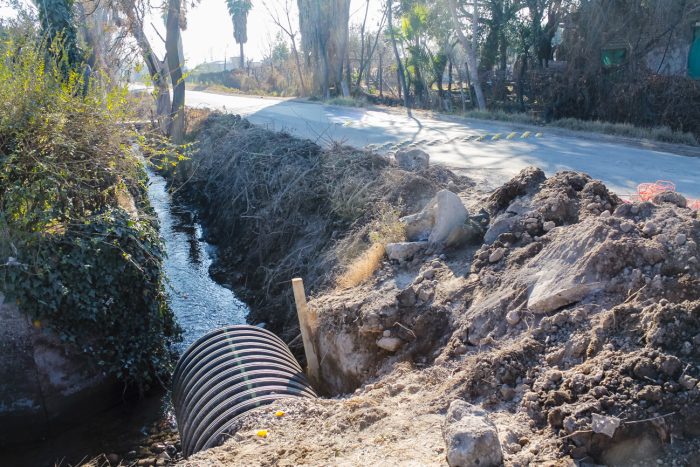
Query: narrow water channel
(199, 304)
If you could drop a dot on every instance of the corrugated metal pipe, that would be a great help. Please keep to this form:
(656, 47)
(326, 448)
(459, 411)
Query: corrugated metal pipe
(226, 373)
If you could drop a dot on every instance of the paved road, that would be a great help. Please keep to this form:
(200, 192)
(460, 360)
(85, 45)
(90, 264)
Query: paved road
(464, 145)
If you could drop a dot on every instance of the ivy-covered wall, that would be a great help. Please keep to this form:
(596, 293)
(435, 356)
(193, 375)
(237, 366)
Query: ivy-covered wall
(80, 253)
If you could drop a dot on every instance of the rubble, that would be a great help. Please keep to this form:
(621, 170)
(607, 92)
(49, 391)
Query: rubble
(570, 335)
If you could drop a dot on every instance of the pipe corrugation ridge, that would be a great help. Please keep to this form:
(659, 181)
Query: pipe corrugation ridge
(226, 373)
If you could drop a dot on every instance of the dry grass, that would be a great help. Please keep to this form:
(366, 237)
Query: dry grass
(363, 267)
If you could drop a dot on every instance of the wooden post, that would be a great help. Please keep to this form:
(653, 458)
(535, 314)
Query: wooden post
(307, 325)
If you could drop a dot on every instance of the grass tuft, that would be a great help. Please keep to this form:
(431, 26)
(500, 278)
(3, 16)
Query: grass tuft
(363, 267)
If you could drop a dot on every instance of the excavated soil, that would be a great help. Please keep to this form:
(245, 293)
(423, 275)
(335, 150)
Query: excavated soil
(577, 306)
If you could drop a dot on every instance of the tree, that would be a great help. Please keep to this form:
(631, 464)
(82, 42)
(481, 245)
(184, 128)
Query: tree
(58, 24)
(401, 74)
(324, 33)
(239, 9)
(135, 12)
(176, 127)
(470, 47)
(288, 29)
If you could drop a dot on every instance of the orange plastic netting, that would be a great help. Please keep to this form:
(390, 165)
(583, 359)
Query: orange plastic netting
(647, 191)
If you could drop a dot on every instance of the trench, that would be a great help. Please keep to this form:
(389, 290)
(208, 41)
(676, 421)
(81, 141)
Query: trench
(200, 305)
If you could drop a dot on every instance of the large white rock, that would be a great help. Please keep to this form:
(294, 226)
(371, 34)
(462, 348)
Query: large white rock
(412, 159)
(450, 216)
(470, 437)
(441, 222)
(552, 293)
(404, 251)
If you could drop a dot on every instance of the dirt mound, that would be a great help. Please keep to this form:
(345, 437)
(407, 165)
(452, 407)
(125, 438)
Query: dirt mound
(575, 326)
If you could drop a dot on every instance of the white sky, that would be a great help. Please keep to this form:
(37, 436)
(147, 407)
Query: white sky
(209, 34)
(209, 31)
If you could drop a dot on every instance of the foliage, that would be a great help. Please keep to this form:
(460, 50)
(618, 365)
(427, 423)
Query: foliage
(77, 252)
(239, 9)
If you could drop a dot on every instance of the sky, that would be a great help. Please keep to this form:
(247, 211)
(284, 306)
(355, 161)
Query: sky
(209, 34)
(209, 31)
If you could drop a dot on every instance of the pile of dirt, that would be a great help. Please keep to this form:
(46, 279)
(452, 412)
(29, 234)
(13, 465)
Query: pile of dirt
(575, 327)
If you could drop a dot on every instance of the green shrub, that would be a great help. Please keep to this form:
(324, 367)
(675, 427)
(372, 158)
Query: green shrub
(80, 250)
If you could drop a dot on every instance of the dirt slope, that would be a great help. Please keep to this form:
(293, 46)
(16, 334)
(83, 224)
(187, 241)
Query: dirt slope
(577, 306)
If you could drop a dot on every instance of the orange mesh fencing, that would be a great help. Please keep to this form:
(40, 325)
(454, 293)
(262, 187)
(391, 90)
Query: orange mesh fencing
(647, 191)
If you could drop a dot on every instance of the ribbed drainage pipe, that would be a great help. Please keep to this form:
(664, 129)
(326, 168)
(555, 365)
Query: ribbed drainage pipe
(224, 374)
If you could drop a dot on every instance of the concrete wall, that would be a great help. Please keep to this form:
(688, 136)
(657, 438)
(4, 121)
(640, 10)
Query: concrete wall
(44, 384)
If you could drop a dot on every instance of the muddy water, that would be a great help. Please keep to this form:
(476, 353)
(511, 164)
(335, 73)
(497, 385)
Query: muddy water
(199, 304)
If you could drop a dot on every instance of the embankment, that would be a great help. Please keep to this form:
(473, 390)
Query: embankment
(84, 308)
(558, 325)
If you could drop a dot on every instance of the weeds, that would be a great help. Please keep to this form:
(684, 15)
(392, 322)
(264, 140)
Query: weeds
(347, 101)
(70, 254)
(280, 207)
(662, 134)
(363, 267)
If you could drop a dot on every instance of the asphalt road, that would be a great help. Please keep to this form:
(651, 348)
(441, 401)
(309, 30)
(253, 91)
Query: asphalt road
(468, 146)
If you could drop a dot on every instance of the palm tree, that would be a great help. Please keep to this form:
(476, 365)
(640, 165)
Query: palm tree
(238, 9)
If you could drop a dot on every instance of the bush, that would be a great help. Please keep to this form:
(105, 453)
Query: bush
(77, 252)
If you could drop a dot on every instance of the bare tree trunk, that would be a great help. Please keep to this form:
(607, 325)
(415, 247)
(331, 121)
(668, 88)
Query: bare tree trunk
(299, 69)
(470, 49)
(399, 64)
(157, 70)
(381, 76)
(176, 128)
(242, 58)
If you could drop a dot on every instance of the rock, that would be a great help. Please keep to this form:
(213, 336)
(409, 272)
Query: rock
(681, 239)
(497, 255)
(605, 214)
(671, 197)
(626, 226)
(441, 222)
(688, 382)
(390, 344)
(404, 251)
(649, 228)
(470, 437)
(428, 274)
(546, 297)
(146, 462)
(513, 317)
(413, 160)
(671, 365)
(502, 224)
(406, 297)
(386, 333)
(549, 225)
(450, 215)
(164, 455)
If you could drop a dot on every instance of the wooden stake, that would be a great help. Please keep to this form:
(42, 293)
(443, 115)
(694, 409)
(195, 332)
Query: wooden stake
(308, 325)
